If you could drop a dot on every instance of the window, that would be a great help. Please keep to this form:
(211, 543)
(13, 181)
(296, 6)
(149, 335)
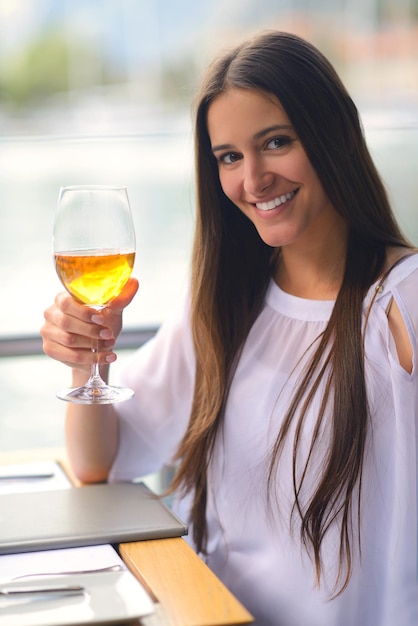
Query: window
(103, 94)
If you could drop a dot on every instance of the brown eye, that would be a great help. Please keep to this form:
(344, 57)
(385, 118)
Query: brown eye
(230, 157)
(278, 142)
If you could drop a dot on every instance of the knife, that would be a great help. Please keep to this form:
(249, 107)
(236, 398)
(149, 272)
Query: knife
(37, 476)
(51, 590)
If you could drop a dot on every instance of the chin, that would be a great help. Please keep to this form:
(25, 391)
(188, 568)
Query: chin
(274, 241)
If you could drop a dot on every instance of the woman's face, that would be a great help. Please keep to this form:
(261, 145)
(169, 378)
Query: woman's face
(264, 169)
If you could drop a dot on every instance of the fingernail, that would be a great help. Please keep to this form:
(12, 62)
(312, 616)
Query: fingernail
(110, 358)
(97, 319)
(105, 334)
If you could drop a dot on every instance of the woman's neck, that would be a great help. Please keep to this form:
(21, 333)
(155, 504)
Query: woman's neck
(315, 273)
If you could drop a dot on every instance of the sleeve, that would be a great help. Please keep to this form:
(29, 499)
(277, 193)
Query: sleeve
(153, 422)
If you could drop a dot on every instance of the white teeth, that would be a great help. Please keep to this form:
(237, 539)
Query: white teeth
(272, 204)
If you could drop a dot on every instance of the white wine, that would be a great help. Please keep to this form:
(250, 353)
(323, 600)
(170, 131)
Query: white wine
(94, 279)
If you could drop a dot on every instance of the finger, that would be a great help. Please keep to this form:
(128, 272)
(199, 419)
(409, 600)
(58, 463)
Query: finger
(75, 334)
(111, 315)
(72, 307)
(75, 347)
(72, 332)
(79, 358)
(69, 316)
(68, 339)
(125, 297)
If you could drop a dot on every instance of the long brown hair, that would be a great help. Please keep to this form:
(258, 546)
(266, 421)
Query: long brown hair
(232, 267)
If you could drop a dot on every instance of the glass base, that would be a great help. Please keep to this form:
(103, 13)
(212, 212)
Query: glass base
(104, 394)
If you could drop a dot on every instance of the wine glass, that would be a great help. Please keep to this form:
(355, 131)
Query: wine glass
(94, 252)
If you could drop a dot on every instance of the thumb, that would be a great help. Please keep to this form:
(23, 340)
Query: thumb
(125, 297)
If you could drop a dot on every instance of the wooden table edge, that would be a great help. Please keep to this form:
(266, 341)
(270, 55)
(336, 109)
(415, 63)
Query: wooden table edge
(205, 599)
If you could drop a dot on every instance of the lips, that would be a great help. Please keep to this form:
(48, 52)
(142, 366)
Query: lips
(272, 204)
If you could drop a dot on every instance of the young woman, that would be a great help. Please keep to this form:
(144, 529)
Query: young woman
(285, 390)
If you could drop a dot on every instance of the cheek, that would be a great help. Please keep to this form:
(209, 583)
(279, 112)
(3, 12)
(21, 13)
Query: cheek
(230, 185)
(309, 175)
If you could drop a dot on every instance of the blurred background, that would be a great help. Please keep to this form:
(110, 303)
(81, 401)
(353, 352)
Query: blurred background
(101, 91)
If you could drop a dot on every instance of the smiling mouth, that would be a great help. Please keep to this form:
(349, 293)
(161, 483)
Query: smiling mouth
(272, 204)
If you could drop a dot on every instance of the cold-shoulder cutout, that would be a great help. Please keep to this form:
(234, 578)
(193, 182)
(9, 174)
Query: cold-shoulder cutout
(397, 326)
(400, 336)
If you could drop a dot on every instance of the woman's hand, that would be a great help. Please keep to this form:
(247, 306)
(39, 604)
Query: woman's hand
(70, 327)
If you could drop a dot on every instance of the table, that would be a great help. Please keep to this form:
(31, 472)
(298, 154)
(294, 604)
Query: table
(185, 591)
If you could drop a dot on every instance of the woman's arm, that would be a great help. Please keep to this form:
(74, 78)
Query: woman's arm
(91, 431)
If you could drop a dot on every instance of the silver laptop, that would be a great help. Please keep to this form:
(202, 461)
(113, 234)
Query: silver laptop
(83, 516)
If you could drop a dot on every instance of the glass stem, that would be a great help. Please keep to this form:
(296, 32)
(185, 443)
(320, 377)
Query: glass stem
(95, 379)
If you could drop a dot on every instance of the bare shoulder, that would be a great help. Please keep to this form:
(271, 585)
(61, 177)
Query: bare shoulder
(396, 322)
(401, 336)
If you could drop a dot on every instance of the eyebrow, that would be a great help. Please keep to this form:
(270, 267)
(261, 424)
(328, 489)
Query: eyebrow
(262, 133)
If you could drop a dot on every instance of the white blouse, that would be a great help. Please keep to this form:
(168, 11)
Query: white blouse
(256, 550)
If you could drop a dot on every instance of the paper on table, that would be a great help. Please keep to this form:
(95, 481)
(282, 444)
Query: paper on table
(55, 561)
(24, 477)
(109, 597)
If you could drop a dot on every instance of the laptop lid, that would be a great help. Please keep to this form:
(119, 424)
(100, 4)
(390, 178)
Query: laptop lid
(82, 516)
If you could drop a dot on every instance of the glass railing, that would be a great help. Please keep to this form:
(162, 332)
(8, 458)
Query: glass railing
(158, 171)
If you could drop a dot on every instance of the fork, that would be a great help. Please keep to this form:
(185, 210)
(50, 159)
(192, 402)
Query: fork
(99, 570)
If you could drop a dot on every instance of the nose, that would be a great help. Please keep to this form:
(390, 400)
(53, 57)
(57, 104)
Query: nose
(257, 177)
